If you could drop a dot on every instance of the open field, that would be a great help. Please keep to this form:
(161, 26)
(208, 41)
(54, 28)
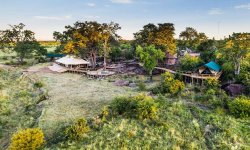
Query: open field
(73, 96)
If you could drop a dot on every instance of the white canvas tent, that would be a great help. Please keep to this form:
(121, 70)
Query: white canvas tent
(57, 68)
(72, 61)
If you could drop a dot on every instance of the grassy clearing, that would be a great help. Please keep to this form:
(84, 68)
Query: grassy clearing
(72, 96)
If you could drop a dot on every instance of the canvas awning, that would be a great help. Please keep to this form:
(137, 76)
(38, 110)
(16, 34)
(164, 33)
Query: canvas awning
(70, 60)
(214, 66)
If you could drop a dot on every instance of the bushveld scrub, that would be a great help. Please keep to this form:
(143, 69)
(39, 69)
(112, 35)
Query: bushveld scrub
(78, 130)
(18, 99)
(140, 106)
(30, 139)
(178, 126)
(169, 85)
(240, 107)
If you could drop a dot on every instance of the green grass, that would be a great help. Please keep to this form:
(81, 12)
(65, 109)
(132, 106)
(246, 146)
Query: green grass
(72, 96)
(183, 122)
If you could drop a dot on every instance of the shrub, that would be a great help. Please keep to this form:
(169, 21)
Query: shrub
(78, 130)
(141, 86)
(240, 107)
(176, 87)
(169, 85)
(212, 83)
(27, 139)
(38, 84)
(146, 107)
(140, 106)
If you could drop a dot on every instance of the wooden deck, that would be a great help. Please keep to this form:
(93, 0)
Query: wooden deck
(191, 75)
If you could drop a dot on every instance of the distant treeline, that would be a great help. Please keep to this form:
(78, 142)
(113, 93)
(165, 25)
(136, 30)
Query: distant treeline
(49, 43)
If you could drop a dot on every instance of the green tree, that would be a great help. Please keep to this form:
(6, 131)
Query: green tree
(87, 39)
(108, 31)
(208, 50)
(149, 56)
(236, 49)
(162, 36)
(190, 38)
(21, 41)
(189, 63)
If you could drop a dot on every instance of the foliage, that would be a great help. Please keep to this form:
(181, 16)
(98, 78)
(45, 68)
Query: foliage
(18, 104)
(78, 130)
(208, 50)
(149, 56)
(169, 85)
(240, 107)
(189, 63)
(140, 106)
(31, 139)
(21, 41)
(191, 39)
(162, 36)
(236, 49)
(88, 39)
(142, 86)
(212, 83)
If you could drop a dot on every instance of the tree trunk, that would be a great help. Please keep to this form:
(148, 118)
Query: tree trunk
(150, 76)
(236, 67)
(105, 53)
(93, 59)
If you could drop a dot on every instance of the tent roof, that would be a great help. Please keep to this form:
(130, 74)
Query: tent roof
(55, 55)
(214, 66)
(70, 60)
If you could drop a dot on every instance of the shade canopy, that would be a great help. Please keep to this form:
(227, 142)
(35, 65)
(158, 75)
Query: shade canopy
(70, 60)
(214, 66)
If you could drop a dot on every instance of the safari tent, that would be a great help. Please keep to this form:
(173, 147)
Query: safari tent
(210, 68)
(72, 62)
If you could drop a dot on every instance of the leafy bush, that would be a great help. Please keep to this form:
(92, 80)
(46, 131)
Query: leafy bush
(140, 106)
(78, 130)
(169, 85)
(212, 83)
(38, 84)
(240, 107)
(27, 139)
(176, 87)
(141, 86)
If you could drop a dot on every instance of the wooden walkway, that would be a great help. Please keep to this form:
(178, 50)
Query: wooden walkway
(191, 75)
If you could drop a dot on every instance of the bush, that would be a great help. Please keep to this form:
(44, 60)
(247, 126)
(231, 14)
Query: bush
(176, 87)
(78, 130)
(38, 84)
(169, 85)
(240, 107)
(27, 139)
(212, 83)
(140, 106)
(141, 86)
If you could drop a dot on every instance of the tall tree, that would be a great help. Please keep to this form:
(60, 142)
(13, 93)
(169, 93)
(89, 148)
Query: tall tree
(236, 49)
(20, 40)
(149, 56)
(190, 38)
(161, 35)
(108, 32)
(87, 39)
(208, 50)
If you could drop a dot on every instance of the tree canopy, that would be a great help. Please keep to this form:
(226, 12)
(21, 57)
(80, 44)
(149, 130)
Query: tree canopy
(149, 56)
(21, 41)
(161, 35)
(190, 38)
(87, 39)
